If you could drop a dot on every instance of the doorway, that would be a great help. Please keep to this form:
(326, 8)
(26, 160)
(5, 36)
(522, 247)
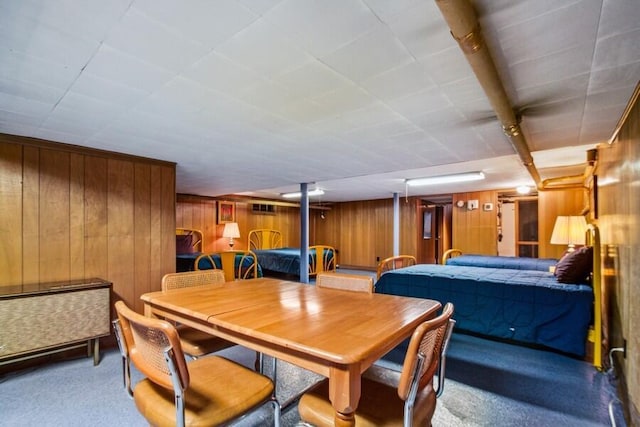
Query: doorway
(435, 233)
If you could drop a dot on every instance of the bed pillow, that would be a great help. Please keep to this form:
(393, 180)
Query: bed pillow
(576, 266)
(184, 244)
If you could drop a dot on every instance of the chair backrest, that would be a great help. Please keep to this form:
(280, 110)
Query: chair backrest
(345, 282)
(394, 262)
(154, 348)
(236, 264)
(424, 354)
(264, 238)
(322, 258)
(124, 353)
(450, 253)
(188, 279)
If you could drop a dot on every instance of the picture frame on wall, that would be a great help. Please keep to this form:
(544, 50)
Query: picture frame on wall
(226, 212)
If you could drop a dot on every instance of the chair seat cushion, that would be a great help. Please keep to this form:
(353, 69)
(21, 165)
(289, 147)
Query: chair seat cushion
(219, 391)
(379, 406)
(197, 343)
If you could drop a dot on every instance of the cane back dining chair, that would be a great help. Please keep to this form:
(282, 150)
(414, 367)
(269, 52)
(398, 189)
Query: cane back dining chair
(345, 282)
(195, 343)
(209, 391)
(393, 263)
(412, 401)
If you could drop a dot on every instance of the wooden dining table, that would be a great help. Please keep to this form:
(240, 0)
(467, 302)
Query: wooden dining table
(335, 333)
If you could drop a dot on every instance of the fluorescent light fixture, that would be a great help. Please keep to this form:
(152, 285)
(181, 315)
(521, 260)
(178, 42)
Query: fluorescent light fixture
(316, 192)
(446, 179)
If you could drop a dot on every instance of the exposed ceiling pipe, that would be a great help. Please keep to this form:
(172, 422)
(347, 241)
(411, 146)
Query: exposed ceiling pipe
(465, 29)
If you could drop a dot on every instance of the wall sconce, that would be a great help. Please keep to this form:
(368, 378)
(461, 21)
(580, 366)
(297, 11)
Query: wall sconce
(231, 231)
(569, 230)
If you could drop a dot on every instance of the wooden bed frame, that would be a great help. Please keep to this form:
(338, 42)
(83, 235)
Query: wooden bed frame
(264, 238)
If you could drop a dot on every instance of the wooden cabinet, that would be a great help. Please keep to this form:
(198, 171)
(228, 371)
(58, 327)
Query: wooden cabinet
(44, 318)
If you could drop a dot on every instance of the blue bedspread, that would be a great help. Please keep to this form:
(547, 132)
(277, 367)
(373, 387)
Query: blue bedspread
(524, 305)
(185, 262)
(283, 260)
(515, 263)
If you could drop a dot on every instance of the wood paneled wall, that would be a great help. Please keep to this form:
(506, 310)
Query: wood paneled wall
(551, 204)
(476, 231)
(72, 213)
(618, 218)
(201, 213)
(362, 231)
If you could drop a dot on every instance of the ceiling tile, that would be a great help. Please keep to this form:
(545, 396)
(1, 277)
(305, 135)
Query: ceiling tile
(90, 20)
(261, 48)
(125, 69)
(399, 82)
(152, 42)
(207, 22)
(315, 26)
(373, 53)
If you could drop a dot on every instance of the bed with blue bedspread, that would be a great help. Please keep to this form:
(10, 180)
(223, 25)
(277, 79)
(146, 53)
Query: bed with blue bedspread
(528, 306)
(272, 257)
(287, 260)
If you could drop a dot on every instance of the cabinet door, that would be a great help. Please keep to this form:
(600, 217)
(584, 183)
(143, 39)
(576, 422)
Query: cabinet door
(38, 322)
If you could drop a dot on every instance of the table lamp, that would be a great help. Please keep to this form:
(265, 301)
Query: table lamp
(231, 231)
(570, 231)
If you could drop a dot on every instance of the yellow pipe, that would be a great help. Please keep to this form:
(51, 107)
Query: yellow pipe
(465, 29)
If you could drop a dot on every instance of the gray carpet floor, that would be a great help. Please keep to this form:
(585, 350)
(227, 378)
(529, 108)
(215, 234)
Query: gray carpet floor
(488, 384)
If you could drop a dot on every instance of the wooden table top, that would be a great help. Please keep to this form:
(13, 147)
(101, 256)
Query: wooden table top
(339, 326)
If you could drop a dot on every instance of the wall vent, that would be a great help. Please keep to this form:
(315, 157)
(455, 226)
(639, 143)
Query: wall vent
(263, 209)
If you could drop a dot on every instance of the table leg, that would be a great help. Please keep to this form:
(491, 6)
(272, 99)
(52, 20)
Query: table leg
(344, 393)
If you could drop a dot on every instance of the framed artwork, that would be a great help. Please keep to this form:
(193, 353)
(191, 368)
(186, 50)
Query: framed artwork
(226, 212)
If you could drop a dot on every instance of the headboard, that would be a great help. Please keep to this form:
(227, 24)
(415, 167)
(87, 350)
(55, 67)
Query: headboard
(596, 334)
(196, 240)
(264, 238)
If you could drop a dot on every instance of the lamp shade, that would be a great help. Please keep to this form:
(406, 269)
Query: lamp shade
(569, 230)
(231, 230)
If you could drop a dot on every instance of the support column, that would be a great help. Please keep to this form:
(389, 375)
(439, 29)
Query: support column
(396, 224)
(304, 233)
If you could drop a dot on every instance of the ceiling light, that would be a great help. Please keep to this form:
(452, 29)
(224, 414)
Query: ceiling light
(446, 179)
(523, 189)
(316, 192)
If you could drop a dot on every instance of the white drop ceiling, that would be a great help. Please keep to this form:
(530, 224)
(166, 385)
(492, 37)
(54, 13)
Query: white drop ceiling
(353, 96)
